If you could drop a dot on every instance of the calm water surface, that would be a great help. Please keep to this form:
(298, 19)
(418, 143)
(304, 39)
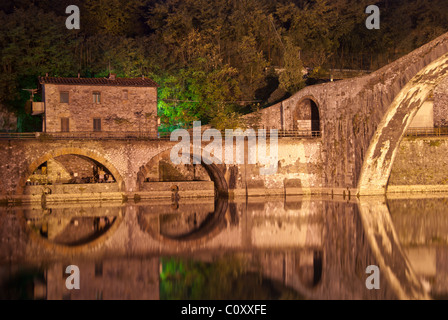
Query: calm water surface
(281, 248)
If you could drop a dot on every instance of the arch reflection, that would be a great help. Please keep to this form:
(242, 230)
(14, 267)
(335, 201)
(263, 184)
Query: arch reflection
(184, 221)
(72, 225)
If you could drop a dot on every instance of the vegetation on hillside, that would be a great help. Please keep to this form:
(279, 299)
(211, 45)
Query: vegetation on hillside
(213, 59)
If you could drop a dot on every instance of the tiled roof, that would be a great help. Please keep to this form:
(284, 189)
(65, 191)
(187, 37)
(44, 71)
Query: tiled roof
(119, 82)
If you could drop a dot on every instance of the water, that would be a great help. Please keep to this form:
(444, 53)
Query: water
(278, 248)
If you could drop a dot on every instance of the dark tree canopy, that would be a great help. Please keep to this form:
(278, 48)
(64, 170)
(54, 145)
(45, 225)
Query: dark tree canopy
(213, 59)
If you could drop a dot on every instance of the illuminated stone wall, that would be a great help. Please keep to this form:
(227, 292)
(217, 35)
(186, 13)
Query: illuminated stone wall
(136, 113)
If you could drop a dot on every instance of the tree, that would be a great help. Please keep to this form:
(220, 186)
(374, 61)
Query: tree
(291, 78)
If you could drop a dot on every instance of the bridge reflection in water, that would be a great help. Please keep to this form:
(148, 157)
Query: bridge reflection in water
(276, 248)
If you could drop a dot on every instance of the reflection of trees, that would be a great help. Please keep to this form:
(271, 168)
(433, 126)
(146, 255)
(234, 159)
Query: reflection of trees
(21, 286)
(226, 278)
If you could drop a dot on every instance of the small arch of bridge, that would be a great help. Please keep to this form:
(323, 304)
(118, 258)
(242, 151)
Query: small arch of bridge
(214, 172)
(27, 172)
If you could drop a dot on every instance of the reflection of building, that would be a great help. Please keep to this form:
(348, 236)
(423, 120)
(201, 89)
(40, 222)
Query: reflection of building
(121, 279)
(98, 104)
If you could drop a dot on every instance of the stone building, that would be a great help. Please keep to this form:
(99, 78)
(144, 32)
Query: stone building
(98, 105)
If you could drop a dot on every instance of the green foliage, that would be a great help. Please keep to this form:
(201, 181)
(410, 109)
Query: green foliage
(435, 143)
(225, 278)
(291, 78)
(224, 117)
(212, 59)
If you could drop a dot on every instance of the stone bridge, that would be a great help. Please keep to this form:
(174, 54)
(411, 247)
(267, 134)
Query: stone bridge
(361, 123)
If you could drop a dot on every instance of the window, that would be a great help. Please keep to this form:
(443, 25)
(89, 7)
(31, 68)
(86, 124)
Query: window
(97, 97)
(65, 127)
(125, 95)
(63, 97)
(97, 124)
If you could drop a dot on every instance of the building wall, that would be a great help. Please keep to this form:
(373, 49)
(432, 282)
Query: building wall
(137, 113)
(424, 117)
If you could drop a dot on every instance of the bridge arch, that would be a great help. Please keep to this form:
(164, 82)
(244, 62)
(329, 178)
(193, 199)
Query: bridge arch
(68, 151)
(306, 115)
(214, 172)
(384, 145)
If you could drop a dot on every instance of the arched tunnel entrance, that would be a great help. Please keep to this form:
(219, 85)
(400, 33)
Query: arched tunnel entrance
(306, 118)
(161, 169)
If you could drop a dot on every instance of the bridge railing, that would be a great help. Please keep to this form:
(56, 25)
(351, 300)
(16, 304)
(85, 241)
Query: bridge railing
(103, 135)
(17, 136)
(426, 132)
(302, 134)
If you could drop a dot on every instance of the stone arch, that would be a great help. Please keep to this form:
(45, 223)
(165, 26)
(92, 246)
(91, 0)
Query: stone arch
(383, 148)
(214, 172)
(67, 151)
(306, 115)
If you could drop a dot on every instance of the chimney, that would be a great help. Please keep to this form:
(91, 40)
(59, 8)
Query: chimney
(112, 76)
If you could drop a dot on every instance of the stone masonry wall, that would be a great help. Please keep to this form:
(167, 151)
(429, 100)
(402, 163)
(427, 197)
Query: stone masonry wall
(136, 113)
(299, 164)
(351, 110)
(421, 161)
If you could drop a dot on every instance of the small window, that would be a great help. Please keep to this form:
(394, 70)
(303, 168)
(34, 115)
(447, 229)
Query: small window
(97, 124)
(125, 94)
(63, 97)
(97, 97)
(65, 124)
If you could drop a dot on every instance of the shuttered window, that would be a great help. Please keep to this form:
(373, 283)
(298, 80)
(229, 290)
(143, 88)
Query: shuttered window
(65, 127)
(97, 97)
(97, 124)
(63, 97)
